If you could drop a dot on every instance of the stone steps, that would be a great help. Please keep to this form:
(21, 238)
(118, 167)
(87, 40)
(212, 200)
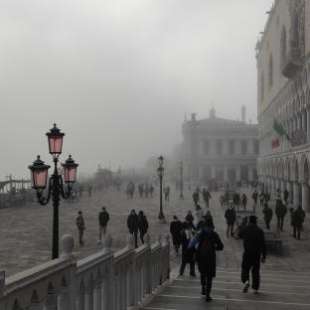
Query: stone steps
(279, 290)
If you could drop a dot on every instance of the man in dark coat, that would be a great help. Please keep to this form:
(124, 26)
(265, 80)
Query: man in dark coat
(195, 197)
(208, 242)
(236, 200)
(254, 253)
(230, 216)
(187, 253)
(175, 230)
(206, 197)
(189, 218)
(285, 196)
(280, 211)
(244, 201)
(80, 223)
(143, 225)
(255, 197)
(103, 218)
(298, 218)
(268, 213)
(132, 224)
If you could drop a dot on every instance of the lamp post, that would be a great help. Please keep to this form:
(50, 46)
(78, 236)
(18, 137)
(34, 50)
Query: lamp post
(160, 172)
(181, 180)
(56, 188)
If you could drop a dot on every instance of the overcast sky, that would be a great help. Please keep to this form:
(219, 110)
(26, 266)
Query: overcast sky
(118, 76)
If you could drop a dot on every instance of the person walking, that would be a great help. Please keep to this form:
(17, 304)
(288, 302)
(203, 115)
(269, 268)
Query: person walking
(198, 215)
(285, 196)
(141, 190)
(298, 220)
(255, 197)
(207, 243)
(187, 252)
(167, 193)
(143, 225)
(196, 197)
(268, 214)
(175, 230)
(132, 224)
(254, 253)
(236, 200)
(190, 219)
(151, 190)
(104, 218)
(262, 198)
(80, 223)
(230, 216)
(280, 211)
(206, 197)
(244, 201)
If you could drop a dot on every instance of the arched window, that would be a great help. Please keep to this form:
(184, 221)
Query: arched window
(283, 46)
(270, 71)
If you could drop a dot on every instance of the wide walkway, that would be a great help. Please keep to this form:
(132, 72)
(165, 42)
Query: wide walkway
(285, 279)
(279, 291)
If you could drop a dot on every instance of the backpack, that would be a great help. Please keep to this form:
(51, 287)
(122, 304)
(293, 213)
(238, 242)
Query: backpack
(205, 247)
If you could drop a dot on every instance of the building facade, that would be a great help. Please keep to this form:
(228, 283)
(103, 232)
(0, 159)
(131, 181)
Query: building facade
(221, 150)
(283, 71)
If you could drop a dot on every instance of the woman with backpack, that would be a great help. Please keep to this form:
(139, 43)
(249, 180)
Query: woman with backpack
(207, 243)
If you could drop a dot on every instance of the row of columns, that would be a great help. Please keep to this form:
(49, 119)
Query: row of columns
(251, 148)
(299, 192)
(225, 170)
(300, 121)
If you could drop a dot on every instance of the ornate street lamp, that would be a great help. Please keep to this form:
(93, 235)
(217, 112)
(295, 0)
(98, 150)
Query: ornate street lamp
(160, 172)
(56, 188)
(181, 180)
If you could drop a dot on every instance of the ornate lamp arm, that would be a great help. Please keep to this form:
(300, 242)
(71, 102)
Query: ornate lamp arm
(45, 200)
(65, 194)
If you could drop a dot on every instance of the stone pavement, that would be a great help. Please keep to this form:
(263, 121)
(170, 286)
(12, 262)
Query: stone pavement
(279, 291)
(26, 236)
(285, 279)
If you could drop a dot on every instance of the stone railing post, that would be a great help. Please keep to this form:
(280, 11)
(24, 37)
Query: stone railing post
(167, 257)
(67, 294)
(109, 284)
(148, 271)
(131, 282)
(107, 244)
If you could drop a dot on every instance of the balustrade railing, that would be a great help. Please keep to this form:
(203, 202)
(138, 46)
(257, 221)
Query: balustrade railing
(102, 281)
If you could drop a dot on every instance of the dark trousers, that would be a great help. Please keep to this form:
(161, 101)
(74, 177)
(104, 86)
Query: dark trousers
(176, 244)
(267, 222)
(230, 230)
(135, 235)
(206, 283)
(297, 232)
(142, 237)
(81, 234)
(191, 266)
(280, 223)
(251, 263)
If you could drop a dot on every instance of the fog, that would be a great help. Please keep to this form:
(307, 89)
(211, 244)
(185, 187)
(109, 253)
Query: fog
(119, 76)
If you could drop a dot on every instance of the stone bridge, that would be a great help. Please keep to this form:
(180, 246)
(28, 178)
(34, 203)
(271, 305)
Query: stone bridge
(105, 280)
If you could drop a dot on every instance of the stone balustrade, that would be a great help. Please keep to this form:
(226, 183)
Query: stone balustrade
(102, 281)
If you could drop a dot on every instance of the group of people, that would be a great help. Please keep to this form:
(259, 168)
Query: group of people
(206, 196)
(145, 190)
(103, 219)
(297, 215)
(137, 224)
(200, 243)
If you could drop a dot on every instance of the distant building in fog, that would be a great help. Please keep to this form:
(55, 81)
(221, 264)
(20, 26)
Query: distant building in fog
(221, 150)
